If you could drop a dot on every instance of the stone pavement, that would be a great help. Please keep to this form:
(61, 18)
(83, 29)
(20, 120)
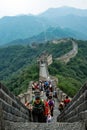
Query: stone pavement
(47, 126)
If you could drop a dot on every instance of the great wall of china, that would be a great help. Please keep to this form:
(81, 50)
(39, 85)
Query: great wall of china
(15, 116)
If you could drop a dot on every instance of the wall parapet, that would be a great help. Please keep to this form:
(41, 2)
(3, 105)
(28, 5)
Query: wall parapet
(76, 110)
(11, 109)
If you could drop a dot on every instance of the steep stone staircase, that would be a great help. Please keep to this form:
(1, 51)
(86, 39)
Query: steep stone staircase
(15, 116)
(53, 125)
(24, 124)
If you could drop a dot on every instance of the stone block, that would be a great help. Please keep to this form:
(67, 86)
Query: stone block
(83, 115)
(5, 89)
(71, 114)
(15, 105)
(82, 107)
(85, 95)
(5, 97)
(73, 119)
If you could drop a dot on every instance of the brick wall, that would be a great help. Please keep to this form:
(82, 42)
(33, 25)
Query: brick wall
(76, 110)
(11, 109)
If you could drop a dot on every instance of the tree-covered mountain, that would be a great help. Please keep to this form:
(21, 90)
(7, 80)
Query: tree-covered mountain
(13, 58)
(21, 27)
(66, 17)
(50, 34)
(71, 76)
(19, 82)
(55, 33)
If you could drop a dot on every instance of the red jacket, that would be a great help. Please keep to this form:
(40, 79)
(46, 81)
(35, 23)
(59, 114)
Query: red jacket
(66, 101)
(47, 110)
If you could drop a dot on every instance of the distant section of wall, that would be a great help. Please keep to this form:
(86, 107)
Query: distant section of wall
(76, 110)
(49, 60)
(43, 73)
(66, 58)
(11, 109)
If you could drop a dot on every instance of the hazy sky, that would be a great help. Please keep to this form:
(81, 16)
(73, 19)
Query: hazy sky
(16, 7)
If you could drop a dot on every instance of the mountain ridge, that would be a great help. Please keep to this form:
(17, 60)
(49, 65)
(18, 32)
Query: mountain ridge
(52, 33)
(24, 26)
(64, 10)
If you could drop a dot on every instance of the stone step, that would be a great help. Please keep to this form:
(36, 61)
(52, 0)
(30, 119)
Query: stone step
(48, 126)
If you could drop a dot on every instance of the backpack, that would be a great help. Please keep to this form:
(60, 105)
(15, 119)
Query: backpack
(38, 108)
(47, 93)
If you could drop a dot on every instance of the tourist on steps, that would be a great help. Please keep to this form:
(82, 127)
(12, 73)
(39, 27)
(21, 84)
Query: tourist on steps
(38, 110)
(46, 111)
(67, 100)
(51, 104)
(61, 105)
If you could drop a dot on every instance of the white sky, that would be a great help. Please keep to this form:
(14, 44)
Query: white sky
(17, 7)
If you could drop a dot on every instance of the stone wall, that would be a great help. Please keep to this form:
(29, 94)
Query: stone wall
(43, 71)
(61, 95)
(49, 60)
(76, 110)
(11, 109)
(27, 96)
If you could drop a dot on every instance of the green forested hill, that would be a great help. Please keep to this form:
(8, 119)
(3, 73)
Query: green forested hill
(13, 58)
(18, 66)
(19, 82)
